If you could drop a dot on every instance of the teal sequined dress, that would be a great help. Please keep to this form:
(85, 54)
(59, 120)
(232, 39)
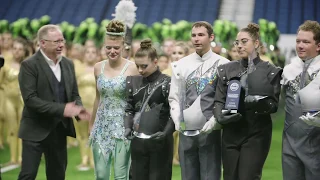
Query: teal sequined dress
(109, 125)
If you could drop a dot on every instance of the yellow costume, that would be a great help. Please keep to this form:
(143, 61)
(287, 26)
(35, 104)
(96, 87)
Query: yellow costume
(175, 160)
(87, 91)
(7, 55)
(13, 105)
(78, 65)
(2, 106)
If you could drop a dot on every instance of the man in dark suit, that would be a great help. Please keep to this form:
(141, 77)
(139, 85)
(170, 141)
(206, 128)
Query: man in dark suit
(50, 94)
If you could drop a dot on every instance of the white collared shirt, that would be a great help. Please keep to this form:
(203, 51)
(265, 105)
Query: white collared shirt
(56, 69)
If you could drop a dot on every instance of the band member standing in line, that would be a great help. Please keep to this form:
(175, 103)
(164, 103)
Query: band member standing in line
(148, 118)
(191, 100)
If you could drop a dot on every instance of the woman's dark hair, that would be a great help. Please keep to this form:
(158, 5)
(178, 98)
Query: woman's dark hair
(146, 49)
(253, 30)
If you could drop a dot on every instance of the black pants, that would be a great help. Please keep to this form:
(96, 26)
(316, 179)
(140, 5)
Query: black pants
(152, 159)
(54, 148)
(245, 151)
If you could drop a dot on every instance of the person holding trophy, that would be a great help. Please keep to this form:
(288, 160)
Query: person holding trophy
(301, 81)
(246, 94)
(147, 119)
(191, 101)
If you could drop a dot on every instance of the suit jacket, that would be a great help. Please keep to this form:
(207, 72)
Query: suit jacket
(42, 112)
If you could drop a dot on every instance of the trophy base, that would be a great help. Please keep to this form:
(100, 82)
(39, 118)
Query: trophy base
(232, 111)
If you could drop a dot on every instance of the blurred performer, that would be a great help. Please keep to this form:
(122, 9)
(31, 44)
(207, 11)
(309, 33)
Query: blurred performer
(87, 89)
(167, 47)
(163, 62)
(301, 134)
(193, 77)
(75, 53)
(107, 128)
(180, 50)
(1, 65)
(233, 54)
(2, 101)
(148, 118)
(13, 103)
(6, 46)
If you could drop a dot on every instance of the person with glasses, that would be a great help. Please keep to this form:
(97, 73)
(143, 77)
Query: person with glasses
(49, 91)
(247, 132)
(191, 96)
(301, 82)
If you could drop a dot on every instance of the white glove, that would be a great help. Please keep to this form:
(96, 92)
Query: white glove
(177, 126)
(311, 120)
(211, 125)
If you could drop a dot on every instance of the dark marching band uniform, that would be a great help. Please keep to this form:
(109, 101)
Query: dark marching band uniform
(246, 139)
(301, 141)
(152, 146)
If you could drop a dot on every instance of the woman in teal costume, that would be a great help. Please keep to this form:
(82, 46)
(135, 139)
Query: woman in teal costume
(109, 145)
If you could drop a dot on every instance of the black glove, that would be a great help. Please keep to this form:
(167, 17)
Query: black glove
(158, 135)
(226, 117)
(250, 101)
(128, 134)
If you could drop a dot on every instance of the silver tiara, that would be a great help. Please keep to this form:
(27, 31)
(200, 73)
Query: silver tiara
(116, 33)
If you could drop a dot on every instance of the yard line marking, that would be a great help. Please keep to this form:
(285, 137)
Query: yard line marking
(9, 168)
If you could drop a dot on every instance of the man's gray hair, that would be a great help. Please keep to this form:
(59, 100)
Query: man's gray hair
(43, 31)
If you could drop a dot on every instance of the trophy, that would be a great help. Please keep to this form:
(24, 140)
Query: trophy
(233, 96)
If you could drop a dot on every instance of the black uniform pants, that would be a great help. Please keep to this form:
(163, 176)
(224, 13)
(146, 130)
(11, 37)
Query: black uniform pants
(245, 151)
(54, 147)
(152, 159)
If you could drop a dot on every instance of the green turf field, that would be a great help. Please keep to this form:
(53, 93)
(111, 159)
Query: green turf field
(271, 170)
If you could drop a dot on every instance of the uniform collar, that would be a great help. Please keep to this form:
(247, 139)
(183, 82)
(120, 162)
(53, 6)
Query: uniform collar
(205, 56)
(152, 77)
(244, 62)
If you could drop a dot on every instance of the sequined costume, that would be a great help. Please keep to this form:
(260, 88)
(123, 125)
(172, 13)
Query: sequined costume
(301, 148)
(193, 77)
(107, 134)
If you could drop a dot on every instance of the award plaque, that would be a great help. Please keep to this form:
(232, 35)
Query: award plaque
(233, 96)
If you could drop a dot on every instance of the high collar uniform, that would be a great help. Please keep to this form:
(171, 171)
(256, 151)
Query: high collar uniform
(191, 100)
(249, 137)
(300, 149)
(151, 158)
